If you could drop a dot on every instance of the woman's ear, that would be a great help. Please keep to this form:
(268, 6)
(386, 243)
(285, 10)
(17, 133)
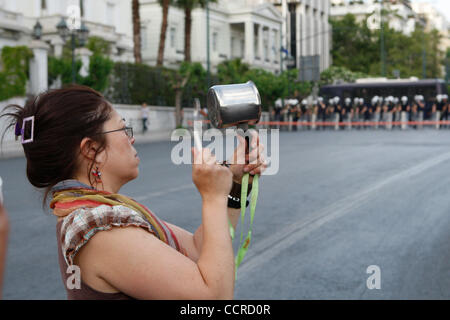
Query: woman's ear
(88, 148)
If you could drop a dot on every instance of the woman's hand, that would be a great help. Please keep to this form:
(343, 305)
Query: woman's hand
(255, 159)
(212, 180)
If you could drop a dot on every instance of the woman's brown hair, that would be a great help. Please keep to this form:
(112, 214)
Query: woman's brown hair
(62, 118)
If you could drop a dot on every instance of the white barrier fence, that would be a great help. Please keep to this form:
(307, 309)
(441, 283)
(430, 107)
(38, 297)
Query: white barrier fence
(161, 123)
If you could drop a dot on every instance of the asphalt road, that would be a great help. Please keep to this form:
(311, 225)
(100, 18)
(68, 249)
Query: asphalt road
(341, 202)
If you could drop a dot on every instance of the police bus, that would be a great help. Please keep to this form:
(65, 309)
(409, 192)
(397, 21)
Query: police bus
(368, 88)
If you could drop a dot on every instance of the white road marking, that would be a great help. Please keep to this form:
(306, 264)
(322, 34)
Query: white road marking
(268, 248)
(163, 192)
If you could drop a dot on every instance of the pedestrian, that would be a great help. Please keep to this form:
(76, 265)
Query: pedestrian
(4, 230)
(144, 116)
(120, 248)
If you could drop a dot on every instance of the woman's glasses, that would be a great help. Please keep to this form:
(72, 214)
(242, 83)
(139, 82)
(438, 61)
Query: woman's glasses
(128, 131)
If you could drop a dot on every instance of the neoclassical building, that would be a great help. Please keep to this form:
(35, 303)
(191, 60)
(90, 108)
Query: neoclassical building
(108, 19)
(308, 33)
(254, 30)
(246, 29)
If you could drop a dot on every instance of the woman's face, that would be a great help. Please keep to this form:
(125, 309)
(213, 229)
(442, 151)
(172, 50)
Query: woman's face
(121, 163)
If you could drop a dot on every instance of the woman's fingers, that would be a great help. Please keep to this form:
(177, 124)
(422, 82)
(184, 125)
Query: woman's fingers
(255, 138)
(203, 157)
(257, 161)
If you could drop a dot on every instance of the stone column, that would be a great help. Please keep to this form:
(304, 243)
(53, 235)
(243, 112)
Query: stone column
(39, 67)
(249, 42)
(270, 45)
(58, 45)
(84, 55)
(260, 43)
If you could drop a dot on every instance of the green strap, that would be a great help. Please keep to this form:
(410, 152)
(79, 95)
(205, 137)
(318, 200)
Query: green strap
(244, 247)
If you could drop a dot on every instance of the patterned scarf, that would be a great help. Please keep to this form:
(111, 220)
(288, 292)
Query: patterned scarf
(69, 195)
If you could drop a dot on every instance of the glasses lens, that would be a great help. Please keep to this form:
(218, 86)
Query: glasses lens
(129, 132)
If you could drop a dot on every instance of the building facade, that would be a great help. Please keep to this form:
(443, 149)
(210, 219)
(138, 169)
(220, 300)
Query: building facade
(245, 29)
(308, 34)
(401, 18)
(434, 20)
(107, 19)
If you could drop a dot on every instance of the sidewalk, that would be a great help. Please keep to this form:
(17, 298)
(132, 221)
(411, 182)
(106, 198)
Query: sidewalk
(13, 149)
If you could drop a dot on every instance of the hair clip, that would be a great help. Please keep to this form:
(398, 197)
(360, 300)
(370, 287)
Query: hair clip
(22, 130)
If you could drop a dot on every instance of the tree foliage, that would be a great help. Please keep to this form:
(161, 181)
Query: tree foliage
(134, 83)
(358, 49)
(270, 86)
(334, 75)
(14, 71)
(100, 66)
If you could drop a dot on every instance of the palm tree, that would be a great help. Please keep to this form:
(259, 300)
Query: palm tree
(188, 6)
(162, 38)
(136, 31)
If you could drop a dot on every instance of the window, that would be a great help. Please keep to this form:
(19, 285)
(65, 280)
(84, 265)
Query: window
(242, 48)
(232, 46)
(275, 47)
(215, 36)
(144, 43)
(173, 31)
(266, 50)
(44, 7)
(81, 8)
(110, 13)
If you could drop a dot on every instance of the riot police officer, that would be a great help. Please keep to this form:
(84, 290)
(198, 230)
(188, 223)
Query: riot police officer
(337, 113)
(445, 109)
(347, 111)
(321, 112)
(404, 115)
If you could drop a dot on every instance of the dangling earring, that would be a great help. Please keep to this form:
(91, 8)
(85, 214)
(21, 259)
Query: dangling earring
(98, 176)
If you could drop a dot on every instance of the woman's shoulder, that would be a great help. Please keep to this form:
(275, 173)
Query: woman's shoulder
(82, 224)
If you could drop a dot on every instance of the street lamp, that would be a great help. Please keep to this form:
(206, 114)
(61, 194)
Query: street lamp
(37, 31)
(80, 34)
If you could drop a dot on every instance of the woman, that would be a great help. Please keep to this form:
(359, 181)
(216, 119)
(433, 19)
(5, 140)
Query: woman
(82, 153)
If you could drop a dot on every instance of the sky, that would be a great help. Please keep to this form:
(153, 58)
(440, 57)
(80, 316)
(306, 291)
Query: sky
(442, 5)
